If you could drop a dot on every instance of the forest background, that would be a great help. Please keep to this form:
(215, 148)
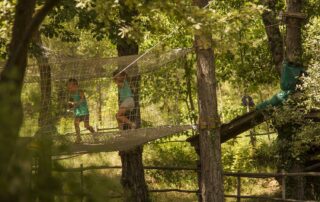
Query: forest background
(244, 66)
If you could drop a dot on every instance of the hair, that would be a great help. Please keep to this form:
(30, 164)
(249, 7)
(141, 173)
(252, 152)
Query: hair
(118, 72)
(73, 81)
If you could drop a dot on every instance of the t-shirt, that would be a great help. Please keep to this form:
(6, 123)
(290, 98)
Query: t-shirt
(125, 91)
(81, 108)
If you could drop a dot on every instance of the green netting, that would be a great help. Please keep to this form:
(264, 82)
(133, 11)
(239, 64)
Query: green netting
(290, 76)
(275, 100)
(288, 82)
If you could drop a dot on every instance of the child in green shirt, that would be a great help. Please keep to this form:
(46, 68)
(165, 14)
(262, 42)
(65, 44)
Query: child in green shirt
(79, 104)
(125, 98)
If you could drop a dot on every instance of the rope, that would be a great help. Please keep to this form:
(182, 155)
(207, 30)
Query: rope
(141, 56)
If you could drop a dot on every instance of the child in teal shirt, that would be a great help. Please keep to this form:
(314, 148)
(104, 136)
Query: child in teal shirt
(125, 98)
(79, 104)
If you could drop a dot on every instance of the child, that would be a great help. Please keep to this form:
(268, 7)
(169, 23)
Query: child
(125, 98)
(79, 104)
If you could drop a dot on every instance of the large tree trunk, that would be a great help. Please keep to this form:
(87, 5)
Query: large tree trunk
(295, 185)
(294, 55)
(45, 122)
(11, 108)
(293, 37)
(211, 186)
(45, 80)
(11, 80)
(271, 23)
(132, 179)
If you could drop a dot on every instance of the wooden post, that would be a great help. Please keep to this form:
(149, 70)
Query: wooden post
(209, 121)
(238, 187)
(283, 186)
(81, 181)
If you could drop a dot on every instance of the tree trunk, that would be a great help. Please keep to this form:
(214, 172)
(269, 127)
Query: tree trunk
(45, 121)
(294, 55)
(209, 135)
(11, 115)
(45, 81)
(132, 179)
(273, 32)
(11, 80)
(293, 38)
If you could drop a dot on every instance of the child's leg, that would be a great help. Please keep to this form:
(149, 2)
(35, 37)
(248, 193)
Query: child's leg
(121, 118)
(87, 124)
(77, 128)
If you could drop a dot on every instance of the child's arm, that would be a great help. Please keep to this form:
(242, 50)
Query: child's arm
(70, 102)
(82, 97)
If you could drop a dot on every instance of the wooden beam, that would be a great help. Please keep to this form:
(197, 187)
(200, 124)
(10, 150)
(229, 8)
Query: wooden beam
(295, 15)
(247, 121)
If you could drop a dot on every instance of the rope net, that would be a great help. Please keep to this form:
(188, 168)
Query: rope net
(65, 67)
(115, 141)
(156, 81)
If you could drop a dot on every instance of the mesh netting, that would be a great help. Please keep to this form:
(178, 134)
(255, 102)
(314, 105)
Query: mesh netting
(64, 67)
(156, 111)
(115, 140)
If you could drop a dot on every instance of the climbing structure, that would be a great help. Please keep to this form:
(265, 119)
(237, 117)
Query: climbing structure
(160, 117)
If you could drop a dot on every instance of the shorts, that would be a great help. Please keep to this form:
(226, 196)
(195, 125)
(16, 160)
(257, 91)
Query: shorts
(128, 103)
(84, 118)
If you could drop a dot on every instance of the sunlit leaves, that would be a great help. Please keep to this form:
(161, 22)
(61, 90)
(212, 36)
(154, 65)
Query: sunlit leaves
(6, 20)
(83, 4)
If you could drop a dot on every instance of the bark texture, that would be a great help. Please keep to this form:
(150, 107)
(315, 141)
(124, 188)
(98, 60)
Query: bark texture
(11, 80)
(211, 179)
(132, 179)
(275, 39)
(45, 122)
(294, 55)
(293, 37)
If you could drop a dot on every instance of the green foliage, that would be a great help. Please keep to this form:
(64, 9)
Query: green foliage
(298, 136)
(312, 8)
(81, 16)
(6, 21)
(171, 154)
(265, 156)
(91, 28)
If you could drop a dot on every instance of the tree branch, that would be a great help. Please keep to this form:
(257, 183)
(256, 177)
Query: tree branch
(273, 33)
(33, 25)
